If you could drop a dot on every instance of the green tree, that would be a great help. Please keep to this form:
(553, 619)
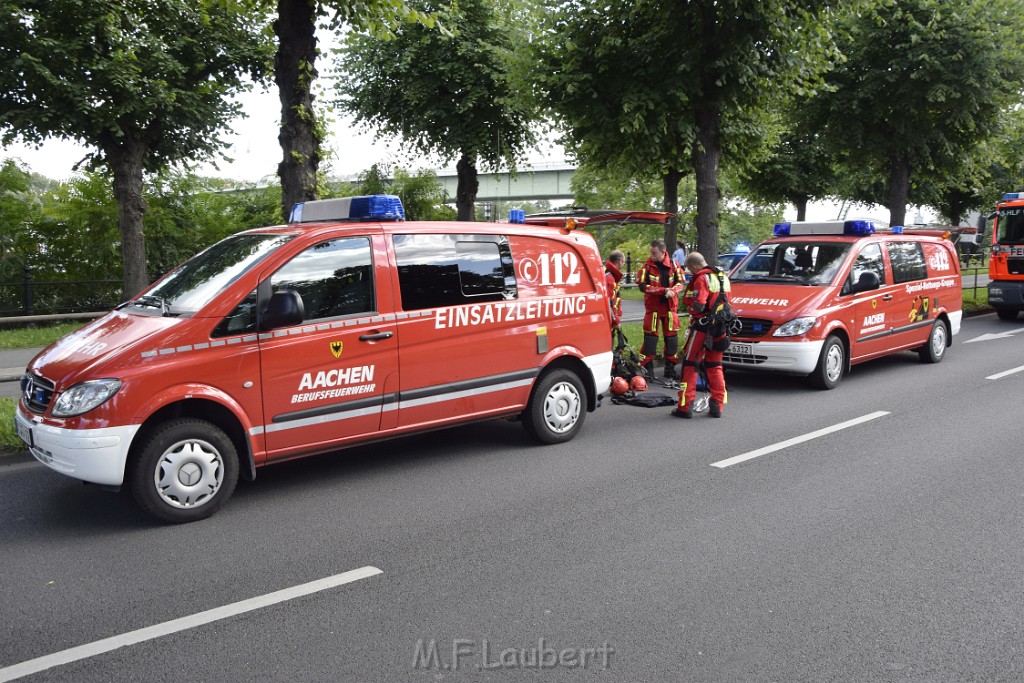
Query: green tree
(797, 170)
(18, 210)
(669, 85)
(923, 82)
(422, 194)
(145, 84)
(454, 95)
(302, 127)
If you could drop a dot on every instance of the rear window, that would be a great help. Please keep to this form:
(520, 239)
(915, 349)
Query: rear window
(435, 271)
(907, 259)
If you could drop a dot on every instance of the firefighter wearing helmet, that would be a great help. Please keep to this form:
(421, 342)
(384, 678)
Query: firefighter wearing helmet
(661, 280)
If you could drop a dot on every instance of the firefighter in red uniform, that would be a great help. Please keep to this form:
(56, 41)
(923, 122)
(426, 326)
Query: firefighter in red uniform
(612, 283)
(661, 280)
(701, 294)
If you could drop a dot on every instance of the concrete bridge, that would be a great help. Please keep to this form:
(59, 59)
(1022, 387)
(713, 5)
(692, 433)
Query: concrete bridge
(532, 182)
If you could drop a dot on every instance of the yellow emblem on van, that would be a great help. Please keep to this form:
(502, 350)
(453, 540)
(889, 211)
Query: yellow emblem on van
(336, 348)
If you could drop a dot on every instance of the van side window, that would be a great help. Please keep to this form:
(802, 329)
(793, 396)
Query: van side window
(907, 260)
(448, 270)
(868, 260)
(334, 278)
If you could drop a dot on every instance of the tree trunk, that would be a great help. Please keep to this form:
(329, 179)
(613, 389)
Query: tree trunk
(801, 208)
(465, 193)
(670, 183)
(294, 73)
(706, 157)
(955, 202)
(899, 188)
(125, 160)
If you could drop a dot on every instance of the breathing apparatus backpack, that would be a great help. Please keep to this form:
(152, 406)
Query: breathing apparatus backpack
(719, 321)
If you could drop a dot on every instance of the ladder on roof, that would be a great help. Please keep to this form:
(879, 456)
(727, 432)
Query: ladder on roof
(844, 209)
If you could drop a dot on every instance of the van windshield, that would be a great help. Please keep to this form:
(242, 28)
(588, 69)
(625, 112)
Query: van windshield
(799, 263)
(197, 281)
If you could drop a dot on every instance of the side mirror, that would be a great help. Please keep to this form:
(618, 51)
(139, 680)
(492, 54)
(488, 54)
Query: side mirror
(284, 310)
(867, 281)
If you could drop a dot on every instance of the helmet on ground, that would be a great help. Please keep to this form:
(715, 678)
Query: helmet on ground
(619, 386)
(638, 383)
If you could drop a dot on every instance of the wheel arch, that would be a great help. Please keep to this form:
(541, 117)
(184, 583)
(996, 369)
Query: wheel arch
(204, 409)
(577, 366)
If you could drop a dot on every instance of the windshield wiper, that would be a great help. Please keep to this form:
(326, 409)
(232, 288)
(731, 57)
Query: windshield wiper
(154, 301)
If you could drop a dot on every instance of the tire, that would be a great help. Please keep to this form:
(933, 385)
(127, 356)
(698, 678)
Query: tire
(935, 350)
(557, 407)
(185, 470)
(1007, 313)
(831, 364)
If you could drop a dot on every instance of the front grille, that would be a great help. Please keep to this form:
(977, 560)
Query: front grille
(38, 392)
(754, 327)
(1015, 266)
(740, 359)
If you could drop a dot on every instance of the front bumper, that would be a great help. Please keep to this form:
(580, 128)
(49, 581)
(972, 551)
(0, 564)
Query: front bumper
(1006, 293)
(796, 357)
(94, 455)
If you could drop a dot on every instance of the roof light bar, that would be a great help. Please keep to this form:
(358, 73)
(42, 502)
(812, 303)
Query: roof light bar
(516, 216)
(1009, 196)
(858, 228)
(374, 207)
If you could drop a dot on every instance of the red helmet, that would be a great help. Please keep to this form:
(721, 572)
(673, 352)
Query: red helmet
(619, 386)
(638, 383)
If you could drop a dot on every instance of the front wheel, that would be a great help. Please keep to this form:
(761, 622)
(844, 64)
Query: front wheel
(935, 349)
(557, 407)
(185, 471)
(831, 364)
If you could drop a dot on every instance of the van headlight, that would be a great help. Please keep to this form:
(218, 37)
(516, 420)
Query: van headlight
(83, 397)
(795, 327)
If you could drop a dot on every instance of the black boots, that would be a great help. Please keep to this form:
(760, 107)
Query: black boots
(714, 410)
(670, 371)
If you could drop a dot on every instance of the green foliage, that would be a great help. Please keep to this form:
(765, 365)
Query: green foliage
(923, 82)
(422, 194)
(443, 93)
(102, 72)
(18, 210)
(665, 86)
(41, 335)
(9, 441)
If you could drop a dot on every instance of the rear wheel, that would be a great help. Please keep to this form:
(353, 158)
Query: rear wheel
(1007, 313)
(935, 349)
(831, 364)
(185, 471)
(557, 407)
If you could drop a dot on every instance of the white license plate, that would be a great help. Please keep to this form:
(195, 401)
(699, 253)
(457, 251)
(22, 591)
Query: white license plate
(741, 349)
(24, 431)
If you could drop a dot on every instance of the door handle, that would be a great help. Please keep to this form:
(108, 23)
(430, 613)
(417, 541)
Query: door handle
(375, 336)
(887, 297)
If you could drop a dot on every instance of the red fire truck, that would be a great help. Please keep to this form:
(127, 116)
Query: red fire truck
(1006, 266)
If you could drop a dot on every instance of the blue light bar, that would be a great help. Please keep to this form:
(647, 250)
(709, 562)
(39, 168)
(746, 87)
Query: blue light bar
(781, 230)
(516, 216)
(742, 248)
(858, 228)
(375, 207)
(897, 229)
(1012, 195)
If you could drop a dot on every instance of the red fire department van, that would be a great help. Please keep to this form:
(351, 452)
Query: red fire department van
(347, 325)
(1006, 264)
(818, 298)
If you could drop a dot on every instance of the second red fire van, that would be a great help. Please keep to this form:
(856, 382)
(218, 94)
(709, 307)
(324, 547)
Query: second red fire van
(348, 325)
(819, 298)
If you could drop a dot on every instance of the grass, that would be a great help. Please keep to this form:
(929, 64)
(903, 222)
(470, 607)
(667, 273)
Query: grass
(9, 441)
(27, 337)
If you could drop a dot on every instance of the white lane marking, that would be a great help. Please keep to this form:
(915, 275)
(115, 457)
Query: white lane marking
(74, 654)
(1000, 375)
(750, 455)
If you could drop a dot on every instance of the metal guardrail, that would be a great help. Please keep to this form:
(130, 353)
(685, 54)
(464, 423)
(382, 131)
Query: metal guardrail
(31, 297)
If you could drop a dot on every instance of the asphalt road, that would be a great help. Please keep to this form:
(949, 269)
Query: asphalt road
(888, 550)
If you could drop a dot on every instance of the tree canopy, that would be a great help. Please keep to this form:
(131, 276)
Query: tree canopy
(669, 85)
(453, 94)
(145, 84)
(923, 82)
